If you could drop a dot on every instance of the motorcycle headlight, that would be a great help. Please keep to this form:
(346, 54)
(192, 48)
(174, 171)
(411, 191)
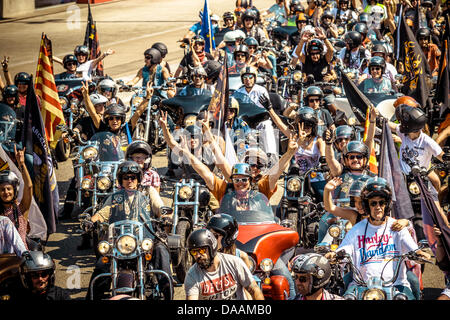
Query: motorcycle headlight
(266, 265)
(334, 231)
(86, 183)
(89, 153)
(252, 264)
(414, 188)
(137, 100)
(297, 76)
(293, 184)
(374, 294)
(400, 296)
(348, 226)
(103, 183)
(185, 192)
(126, 245)
(63, 102)
(103, 247)
(147, 244)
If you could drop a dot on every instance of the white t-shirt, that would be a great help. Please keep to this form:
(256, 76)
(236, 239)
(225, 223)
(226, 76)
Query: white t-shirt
(419, 150)
(254, 95)
(390, 71)
(87, 69)
(226, 283)
(375, 253)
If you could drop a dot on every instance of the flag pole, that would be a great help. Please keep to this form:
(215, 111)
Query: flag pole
(383, 146)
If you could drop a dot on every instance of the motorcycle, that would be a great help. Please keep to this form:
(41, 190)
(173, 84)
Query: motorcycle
(300, 206)
(190, 212)
(128, 248)
(377, 288)
(96, 167)
(258, 232)
(185, 109)
(147, 127)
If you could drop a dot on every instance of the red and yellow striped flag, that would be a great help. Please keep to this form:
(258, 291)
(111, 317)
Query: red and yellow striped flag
(373, 164)
(51, 110)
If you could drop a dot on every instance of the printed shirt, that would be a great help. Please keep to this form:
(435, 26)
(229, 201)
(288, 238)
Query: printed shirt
(372, 248)
(10, 240)
(23, 223)
(419, 150)
(226, 283)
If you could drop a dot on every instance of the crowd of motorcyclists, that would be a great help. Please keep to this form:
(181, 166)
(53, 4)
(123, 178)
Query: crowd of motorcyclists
(287, 118)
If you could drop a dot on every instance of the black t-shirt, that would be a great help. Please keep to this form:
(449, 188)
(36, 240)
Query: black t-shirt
(189, 61)
(86, 125)
(318, 70)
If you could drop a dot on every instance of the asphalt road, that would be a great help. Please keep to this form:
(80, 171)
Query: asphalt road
(128, 27)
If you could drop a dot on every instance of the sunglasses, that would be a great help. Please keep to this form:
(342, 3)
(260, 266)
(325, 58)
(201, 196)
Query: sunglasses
(314, 100)
(71, 63)
(339, 140)
(107, 89)
(148, 57)
(257, 165)
(240, 180)
(40, 274)
(114, 118)
(130, 177)
(307, 125)
(199, 43)
(248, 76)
(374, 203)
(131, 169)
(352, 157)
(252, 47)
(301, 278)
(375, 68)
(195, 252)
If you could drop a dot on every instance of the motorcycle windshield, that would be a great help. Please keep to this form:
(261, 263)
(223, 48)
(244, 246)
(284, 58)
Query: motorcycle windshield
(7, 122)
(109, 147)
(248, 207)
(188, 104)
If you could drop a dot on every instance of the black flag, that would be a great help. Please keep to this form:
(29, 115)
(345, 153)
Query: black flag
(357, 100)
(91, 41)
(416, 68)
(38, 153)
(389, 169)
(443, 83)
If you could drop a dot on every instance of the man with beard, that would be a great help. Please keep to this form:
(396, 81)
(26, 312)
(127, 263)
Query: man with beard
(216, 276)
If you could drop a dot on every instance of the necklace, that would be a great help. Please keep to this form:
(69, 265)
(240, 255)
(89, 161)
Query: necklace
(364, 240)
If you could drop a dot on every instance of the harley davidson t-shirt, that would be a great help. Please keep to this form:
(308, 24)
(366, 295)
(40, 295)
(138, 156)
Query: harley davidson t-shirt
(373, 247)
(226, 283)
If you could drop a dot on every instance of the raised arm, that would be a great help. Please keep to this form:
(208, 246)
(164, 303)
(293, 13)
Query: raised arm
(371, 130)
(6, 71)
(96, 118)
(330, 207)
(103, 56)
(333, 164)
(27, 196)
(142, 106)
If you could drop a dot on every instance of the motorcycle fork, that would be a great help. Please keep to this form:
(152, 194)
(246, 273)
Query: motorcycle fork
(177, 203)
(148, 123)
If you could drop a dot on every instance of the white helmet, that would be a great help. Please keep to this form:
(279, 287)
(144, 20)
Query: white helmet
(107, 84)
(215, 17)
(97, 98)
(229, 36)
(240, 34)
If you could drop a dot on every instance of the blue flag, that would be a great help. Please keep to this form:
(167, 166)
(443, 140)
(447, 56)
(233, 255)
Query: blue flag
(207, 31)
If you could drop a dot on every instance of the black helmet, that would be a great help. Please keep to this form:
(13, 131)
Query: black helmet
(313, 91)
(327, 14)
(212, 69)
(357, 146)
(344, 131)
(225, 225)
(161, 47)
(249, 14)
(11, 91)
(412, 119)
(35, 261)
(128, 166)
(81, 50)
(379, 48)
(356, 187)
(22, 77)
(198, 38)
(315, 44)
(294, 3)
(115, 110)
(361, 27)
(297, 8)
(203, 238)
(314, 264)
(139, 146)
(242, 48)
(9, 177)
(199, 71)
(69, 58)
(309, 116)
(194, 130)
(228, 15)
(377, 62)
(363, 17)
(154, 54)
(423, 33)
(376, 187)
(353, 39)
(250, 41)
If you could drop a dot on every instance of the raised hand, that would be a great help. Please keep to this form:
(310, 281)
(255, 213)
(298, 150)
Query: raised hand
(5, 63)
(265, 102)
(333, 183)
(20, 156)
